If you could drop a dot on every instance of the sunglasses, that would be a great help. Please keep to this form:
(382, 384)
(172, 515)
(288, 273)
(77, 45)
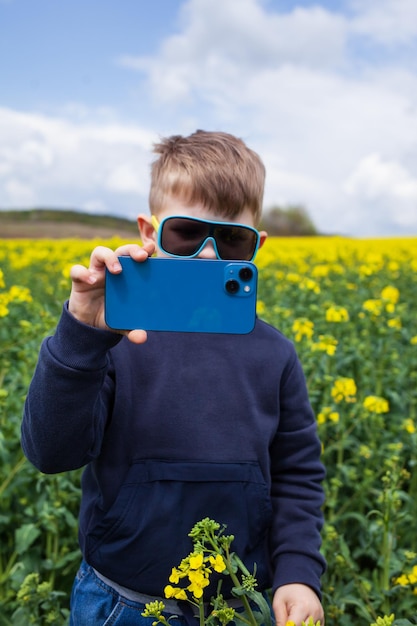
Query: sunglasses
(186, 236)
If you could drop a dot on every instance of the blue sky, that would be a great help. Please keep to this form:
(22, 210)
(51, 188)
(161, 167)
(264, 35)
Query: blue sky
(326, 92)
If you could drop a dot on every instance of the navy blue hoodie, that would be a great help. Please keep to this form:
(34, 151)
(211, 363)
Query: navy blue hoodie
(183, 427)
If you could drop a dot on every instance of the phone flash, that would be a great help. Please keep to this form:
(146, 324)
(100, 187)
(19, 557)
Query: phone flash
(246, 288)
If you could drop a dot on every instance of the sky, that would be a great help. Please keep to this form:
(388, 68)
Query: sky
(324, 91)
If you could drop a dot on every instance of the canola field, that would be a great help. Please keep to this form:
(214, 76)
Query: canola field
(350, 308)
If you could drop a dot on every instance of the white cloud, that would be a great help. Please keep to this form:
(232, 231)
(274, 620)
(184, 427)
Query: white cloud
(125, 178)
(386, 21)
(386, 184)
(219, 48)
(23, 194)
(53, 161)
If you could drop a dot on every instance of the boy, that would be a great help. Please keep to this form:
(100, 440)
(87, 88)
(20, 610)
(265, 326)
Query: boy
(175, 427)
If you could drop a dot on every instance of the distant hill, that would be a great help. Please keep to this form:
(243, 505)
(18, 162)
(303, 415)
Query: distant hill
(59, 224)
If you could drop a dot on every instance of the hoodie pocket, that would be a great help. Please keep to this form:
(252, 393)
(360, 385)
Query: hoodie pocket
(146, 529)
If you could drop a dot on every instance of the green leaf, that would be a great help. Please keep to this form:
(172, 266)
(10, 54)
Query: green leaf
(262, 605)
(25, 536)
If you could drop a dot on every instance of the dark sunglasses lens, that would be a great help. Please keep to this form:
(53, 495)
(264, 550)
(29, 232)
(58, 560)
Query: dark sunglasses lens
(235, 242)
(182, 236)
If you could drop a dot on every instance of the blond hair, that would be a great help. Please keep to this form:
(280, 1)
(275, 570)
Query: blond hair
(215, 169)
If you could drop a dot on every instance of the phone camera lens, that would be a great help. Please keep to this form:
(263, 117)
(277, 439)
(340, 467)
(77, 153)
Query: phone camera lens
(232, 286)
(246, 274)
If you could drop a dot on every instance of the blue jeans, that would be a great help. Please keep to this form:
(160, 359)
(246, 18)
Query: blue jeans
(94, 603)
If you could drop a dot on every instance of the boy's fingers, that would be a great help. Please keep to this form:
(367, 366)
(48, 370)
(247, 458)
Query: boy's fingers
(150, 247)
(128, 249)
(105, 257)
(281, 616)
(135, 251)
(101, 257)
(80, 274)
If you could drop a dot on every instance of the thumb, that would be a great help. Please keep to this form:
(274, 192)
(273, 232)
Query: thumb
(137, 336)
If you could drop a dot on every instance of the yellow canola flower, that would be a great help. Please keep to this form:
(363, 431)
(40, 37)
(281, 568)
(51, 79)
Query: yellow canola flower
(196, 568)
(16, 293)
(4, 310)
(326, 343)
(412, 576)
(175, 592)
(175, 576)
(198, 581)
(19, 294)
(366, 270)
(292, 277)
(395, 322)
(393, 266)
(321, 271)
(196, 560)
(2, 283)
(390, 294)
(310, 285)
(373, 306)
(327, 415)
(337, 314)
(407, 579)
(217, 563)
(409, 426)
(402, 580)
(344, 389)
(303, 327)
(376, 404)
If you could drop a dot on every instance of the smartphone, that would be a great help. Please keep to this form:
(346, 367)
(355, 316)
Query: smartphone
(184, 295)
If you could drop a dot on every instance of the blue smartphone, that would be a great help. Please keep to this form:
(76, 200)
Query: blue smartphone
(184, 295)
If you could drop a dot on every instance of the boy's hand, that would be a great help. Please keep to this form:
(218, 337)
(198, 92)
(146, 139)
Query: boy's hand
(296, 603)
(86, 302)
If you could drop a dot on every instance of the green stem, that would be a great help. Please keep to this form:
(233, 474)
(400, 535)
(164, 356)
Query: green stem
(53, 555)
(12, 474)
(201, 612)
(237, 584)
(344, 434)
(387, 545)
(385, 578)
(6, 574)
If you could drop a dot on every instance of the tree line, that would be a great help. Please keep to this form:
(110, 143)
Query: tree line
(291, 221)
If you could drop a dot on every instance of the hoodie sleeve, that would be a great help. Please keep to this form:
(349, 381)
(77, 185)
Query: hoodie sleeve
(297, 493)
(69, 398)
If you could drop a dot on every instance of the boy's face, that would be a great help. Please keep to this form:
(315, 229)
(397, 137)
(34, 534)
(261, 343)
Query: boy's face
(178, 208)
